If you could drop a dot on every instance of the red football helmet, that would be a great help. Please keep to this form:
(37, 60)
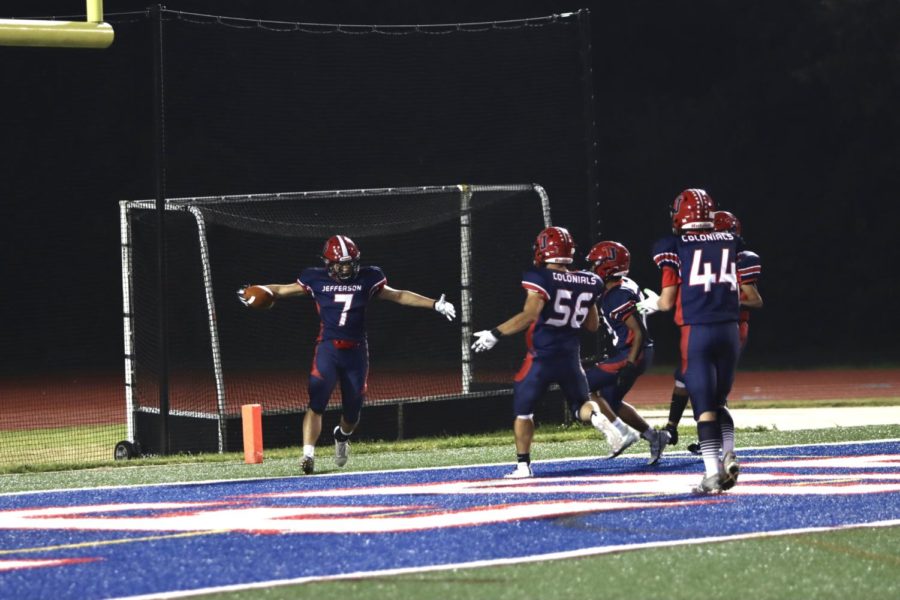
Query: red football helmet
(554, 245)
(341, 257)
(692, 210)
(726, 221)
(609, 259)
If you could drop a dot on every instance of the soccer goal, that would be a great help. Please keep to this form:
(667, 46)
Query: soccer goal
(470, 242)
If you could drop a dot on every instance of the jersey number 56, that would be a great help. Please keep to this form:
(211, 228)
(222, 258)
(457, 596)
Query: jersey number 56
(569, 312)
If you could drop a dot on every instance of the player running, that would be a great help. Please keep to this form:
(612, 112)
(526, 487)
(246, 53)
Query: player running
(700, 282)
(749, 268)
(632, 352)
(342, 290)
(558, 303)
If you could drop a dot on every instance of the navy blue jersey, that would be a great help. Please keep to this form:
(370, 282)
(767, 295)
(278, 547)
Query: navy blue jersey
(568, 297)
(704, 267)
(342, 304)
(616, 305)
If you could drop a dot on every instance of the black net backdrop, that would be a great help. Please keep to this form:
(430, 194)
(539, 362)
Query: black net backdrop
(263, 107)
(251, 107)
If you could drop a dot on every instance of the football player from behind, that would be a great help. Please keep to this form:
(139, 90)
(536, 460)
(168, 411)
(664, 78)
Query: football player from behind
(632, 352)
(558, 303)
(749, 268)
(342, 290)
(700, 282)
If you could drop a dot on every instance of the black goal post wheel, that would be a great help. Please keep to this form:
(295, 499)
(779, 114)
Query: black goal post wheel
(126, 450)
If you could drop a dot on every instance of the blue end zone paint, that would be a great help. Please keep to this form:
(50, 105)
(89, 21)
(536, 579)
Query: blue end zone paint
(183, 537)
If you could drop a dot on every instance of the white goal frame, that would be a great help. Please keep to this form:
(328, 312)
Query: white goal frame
(465, 194)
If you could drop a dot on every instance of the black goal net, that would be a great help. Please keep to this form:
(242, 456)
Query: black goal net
(469, 242)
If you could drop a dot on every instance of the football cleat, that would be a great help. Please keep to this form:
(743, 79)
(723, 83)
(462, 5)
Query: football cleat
(626, 442)
(732, 470)
(657, 443)
(602, 424)
(523, 471)
(673, 434)
(694, 449)
(341, 450)
(308, 464)
(710, 484)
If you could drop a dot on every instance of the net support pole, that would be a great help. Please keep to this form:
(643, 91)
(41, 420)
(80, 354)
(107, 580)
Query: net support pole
(591, 143)
(159, 144)
(127, 315)
(465, 243)
(213, 327)
(545, 203)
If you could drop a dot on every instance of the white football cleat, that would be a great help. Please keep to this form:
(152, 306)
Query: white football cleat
(626, 442)
(523, 471)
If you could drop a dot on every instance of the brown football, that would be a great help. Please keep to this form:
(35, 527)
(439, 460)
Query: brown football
(259, 296)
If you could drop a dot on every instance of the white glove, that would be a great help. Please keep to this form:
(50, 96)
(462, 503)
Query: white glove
(485, 340)
(650, 302)
(240, 294)
(445, 308)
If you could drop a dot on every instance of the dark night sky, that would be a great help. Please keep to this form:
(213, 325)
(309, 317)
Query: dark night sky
(786, 111)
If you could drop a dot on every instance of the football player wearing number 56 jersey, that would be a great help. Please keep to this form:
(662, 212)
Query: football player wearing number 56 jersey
(700, 282)
(558, 304)
(342, 290)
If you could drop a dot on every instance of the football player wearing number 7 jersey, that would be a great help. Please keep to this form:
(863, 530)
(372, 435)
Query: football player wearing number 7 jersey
(558, 303)
(342, 290)
(700, 282)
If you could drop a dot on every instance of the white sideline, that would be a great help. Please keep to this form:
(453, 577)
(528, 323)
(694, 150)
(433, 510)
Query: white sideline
(792, 419)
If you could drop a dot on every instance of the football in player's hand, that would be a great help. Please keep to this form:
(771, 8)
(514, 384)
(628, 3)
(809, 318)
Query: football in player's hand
(258, 296)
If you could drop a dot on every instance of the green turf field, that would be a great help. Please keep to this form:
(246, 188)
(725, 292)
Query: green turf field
(857, 563)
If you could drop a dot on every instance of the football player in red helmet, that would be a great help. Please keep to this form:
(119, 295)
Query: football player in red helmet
(341, 258)
(699, 279)
(554, 245)
(342, 291)
(610, 379)
(748, 269)
(558, 304)
(692, 211)
(726, 221)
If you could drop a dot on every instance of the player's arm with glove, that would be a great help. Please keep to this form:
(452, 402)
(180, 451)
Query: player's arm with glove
(408, 298)
(488, 338)
(278, 290)
(654, 302)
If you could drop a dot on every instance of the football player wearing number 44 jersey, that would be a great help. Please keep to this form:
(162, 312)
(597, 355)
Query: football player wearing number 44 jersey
(749, 267)
(342, 291)
(700, 281)
(558, 303)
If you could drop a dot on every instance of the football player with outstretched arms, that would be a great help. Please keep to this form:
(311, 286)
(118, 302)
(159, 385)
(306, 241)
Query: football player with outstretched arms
(342, 290)
(749, 268)
(558, 303)
(700, 282)
(632, 353)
